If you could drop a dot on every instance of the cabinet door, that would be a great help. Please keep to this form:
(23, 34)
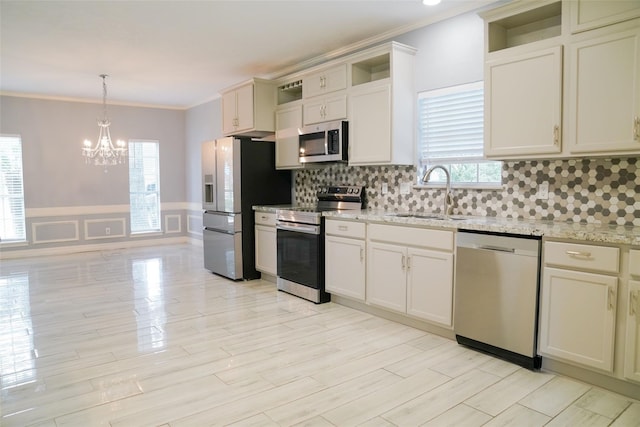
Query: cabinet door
(589, 14)
(325, 109)
(386, 276)
(330, 80)
(244, 107)
(287, 146)
(229, 116)
(266, 249)
(335, 108)
(345, 267)
(604, 95)
(430, 285)
(370, 126)
(313, 111)
(523, 104)
(577, 317)
(632, 343)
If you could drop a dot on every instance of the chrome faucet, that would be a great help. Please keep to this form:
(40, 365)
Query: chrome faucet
(448, 205)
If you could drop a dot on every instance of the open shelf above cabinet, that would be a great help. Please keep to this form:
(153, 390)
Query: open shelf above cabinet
(289, 92)
(371, 69)
(526, 27)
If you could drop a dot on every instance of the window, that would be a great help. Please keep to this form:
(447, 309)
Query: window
(144, 186)
(450, 130)
(12, 221)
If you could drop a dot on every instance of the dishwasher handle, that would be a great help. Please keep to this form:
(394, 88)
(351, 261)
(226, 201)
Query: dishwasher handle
(507, 244)
(495, 248)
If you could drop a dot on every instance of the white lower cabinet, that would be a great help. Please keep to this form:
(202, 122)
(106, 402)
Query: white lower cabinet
(387, 272)
(345, 259)
(578, 308)
(578, 317)
(430, 285)
(632, 342)
(410, 270)
(266, 243)
(632, 349)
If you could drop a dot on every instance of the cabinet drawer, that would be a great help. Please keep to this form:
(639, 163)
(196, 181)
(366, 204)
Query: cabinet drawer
(588, 257)
(634, 262)
(352, 229)
(266, 218)
(412, 236)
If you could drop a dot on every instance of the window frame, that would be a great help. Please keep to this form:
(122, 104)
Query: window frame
(134, 192)
(21, 239)
(478, 160)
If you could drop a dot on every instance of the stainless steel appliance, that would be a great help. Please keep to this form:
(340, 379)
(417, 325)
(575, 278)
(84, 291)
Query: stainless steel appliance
(300, 240)
(496, 295)
(324, 142)
(237, 174)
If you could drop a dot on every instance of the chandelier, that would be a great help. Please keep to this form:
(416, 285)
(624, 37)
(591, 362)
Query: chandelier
(104, 153)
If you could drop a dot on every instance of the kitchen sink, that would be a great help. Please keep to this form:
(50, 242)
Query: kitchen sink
(428, 216)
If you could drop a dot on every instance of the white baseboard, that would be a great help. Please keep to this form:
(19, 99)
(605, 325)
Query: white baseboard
(64, 250)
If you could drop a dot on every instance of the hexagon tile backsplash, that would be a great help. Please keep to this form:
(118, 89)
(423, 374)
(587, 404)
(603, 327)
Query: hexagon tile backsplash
(580, 190)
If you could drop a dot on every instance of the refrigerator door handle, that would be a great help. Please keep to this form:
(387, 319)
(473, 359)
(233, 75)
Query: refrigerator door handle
(217, 230)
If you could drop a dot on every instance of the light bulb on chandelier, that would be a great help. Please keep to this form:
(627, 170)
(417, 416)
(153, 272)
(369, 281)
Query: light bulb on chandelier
(104, 153)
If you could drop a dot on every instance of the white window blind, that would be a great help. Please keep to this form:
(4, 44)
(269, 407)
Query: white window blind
(451, 126)
(144, 186)
(12, 218)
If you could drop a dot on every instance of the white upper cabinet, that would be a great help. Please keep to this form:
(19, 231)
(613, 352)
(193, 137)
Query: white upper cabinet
(325, 109)
(288, 121)
(558, 85)
(589, 14)
(325, 81)
(247, 109)
(370, 125)
(382, 106)
(604, 91)
(523, 104)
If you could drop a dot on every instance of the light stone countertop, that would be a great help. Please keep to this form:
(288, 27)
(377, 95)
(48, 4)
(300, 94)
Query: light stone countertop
(554, 229)
(594, 233)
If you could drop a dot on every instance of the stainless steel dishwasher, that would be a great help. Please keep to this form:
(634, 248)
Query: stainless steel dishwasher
(496, 295)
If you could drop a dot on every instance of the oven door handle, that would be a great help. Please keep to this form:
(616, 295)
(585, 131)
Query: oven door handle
(298, 228)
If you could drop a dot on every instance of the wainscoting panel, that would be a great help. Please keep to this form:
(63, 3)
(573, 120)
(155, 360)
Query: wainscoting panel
(172, 223)
(105, 228)
(55, 231)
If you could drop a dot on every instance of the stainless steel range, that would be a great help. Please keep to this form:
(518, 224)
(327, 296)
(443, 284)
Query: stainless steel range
(300, 237)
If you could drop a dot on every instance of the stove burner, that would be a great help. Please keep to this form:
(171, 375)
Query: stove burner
(333, 198)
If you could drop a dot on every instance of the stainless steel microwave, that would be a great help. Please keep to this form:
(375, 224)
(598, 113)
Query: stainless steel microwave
(324, 142)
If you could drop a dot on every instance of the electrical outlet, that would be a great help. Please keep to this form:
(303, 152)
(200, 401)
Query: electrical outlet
(405, 188)
(107, 231)
(543, 191)
(385, 188)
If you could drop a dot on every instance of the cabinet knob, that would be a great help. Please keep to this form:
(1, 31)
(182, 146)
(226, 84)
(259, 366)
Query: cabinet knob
(633, 303)
(636, 128)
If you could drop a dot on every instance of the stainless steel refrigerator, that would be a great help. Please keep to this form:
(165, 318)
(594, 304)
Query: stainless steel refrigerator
(237, 174)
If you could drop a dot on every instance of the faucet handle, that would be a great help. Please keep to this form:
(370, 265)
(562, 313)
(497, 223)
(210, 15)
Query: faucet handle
(449, 203)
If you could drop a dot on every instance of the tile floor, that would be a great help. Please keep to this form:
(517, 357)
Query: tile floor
(147, 337)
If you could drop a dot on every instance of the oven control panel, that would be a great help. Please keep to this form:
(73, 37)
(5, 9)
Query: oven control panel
(340, 190)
